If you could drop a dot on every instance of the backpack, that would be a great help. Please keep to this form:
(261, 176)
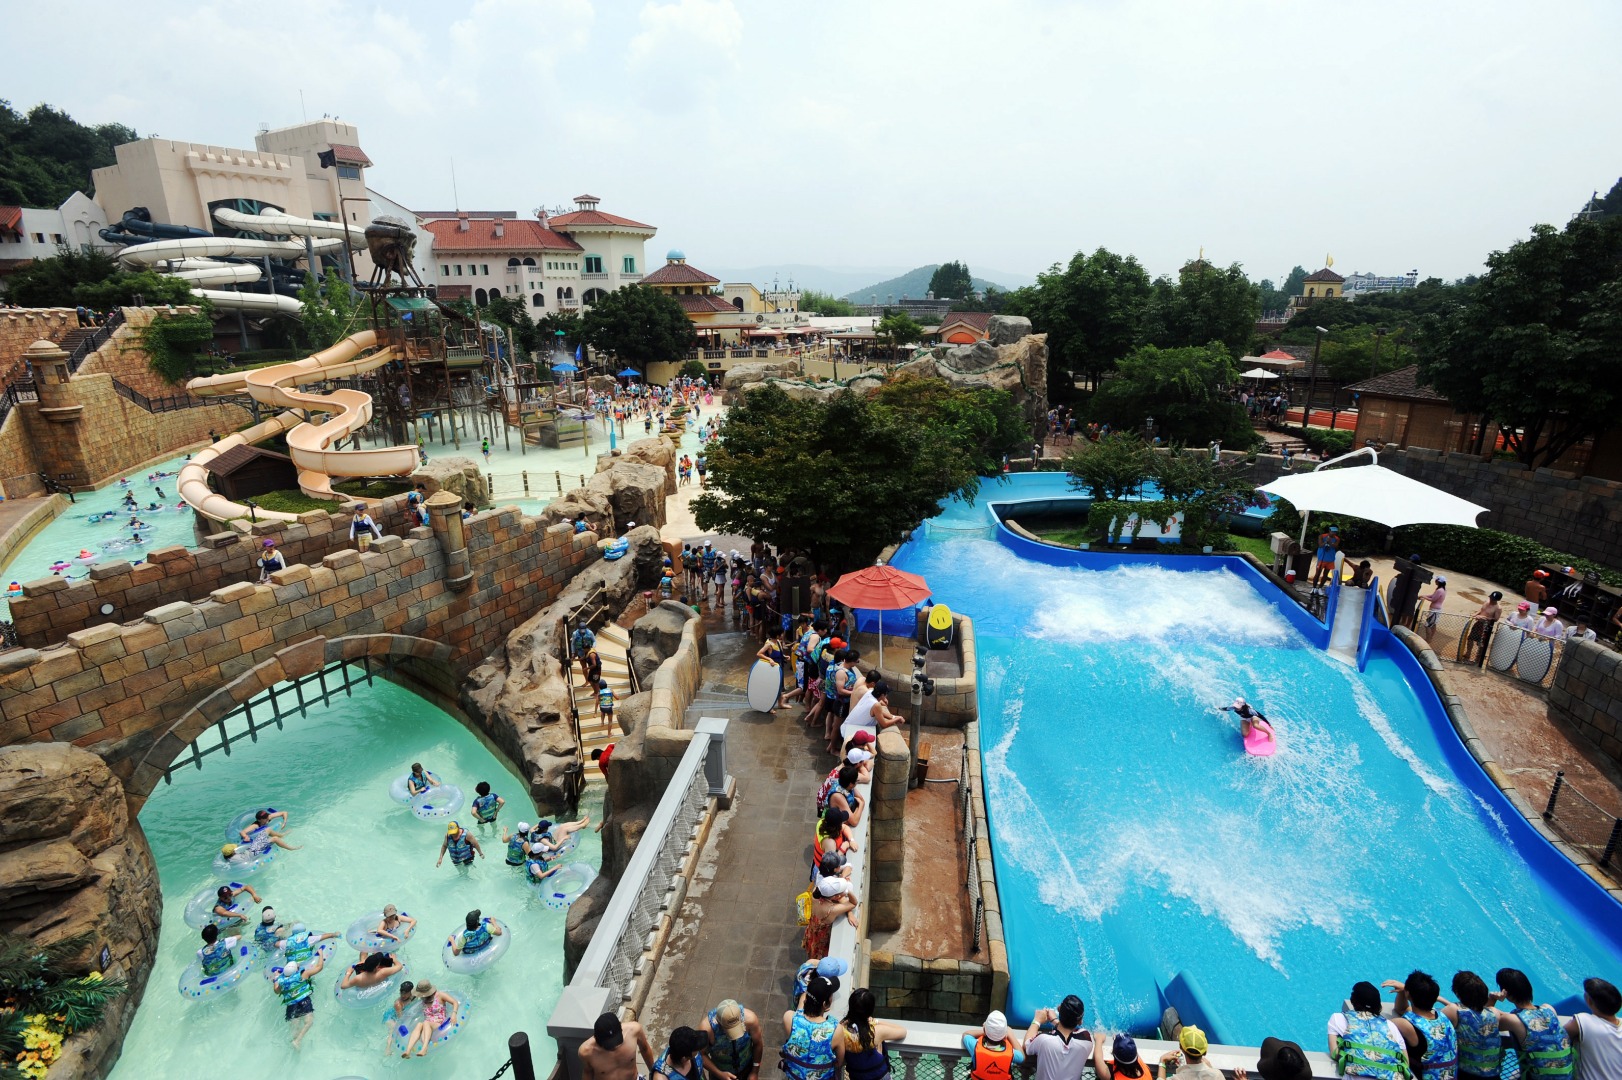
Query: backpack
(802, 908)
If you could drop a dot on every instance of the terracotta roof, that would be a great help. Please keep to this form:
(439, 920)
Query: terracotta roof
(1402, 383)
(11, 219)
(1325, 275)
(979, 320)
(349, 155)
(680, 274)
(429, 215)
(235, 458)
(699, 303)
(578, 219)
(1276, 354)
(480, 235)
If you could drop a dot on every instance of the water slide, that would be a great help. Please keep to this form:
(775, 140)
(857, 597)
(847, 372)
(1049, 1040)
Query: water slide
(310, 445)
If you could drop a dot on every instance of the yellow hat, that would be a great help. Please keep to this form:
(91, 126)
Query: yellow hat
(228, 850)
(1193, 1040)
(452, 829)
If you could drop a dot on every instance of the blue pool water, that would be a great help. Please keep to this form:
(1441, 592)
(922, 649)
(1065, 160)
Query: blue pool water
(1134, 842)
(360, 850)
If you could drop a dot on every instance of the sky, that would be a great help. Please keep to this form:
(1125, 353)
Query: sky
(1009, 134)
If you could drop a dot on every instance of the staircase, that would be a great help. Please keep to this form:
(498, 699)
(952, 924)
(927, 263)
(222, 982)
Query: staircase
(614, 646)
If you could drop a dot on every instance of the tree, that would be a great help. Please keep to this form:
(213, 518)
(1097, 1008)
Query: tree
(174, 343)
(53, 282)
(1110, 469)
(146, 287)
(329, 310)
(1295, 282)
(951, 281)
(638, 326)
(994, 300)
(1203, 490)
(844, 477)
(1092, 311)
(1182, 390)
(1536, 345)
(694, 369)
(1204, 304)
(46, 155)
(821, 303)
(546, 333)
(1273, 300)
(896, 329)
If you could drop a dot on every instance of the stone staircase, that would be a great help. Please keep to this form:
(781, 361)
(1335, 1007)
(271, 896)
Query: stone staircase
(716, 699)
(613, 645)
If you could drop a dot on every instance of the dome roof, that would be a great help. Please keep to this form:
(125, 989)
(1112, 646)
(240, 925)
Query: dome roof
(675, 253)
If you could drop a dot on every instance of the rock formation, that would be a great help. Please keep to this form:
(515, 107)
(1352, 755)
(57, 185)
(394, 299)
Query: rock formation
(659, 450)
(594, 504)
(656, 636)
(458, 475)
(748, 374)
(72, 862)
(1011, 358)
(635, 490)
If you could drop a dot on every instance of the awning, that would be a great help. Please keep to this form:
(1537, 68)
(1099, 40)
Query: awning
(1277, 358)
(1374, 494)
(1259, 373)
(765, 333)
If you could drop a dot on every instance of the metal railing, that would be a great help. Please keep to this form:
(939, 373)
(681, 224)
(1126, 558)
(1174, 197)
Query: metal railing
(18, 391)
(103, 333)
(623, 946)
(1493, 646)
(971, 834)
(1582, 821)
(531, 485)
(168, 403)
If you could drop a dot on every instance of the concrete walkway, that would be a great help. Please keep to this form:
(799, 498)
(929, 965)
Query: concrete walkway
(736, 935)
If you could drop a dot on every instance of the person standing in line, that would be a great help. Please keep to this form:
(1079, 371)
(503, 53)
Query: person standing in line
(612, 1050)
(1479, 1028)
(1597, 1034)
(1433, 1043)
(737, 1043)
(1550, 625)
(270, 561)
(1482, 621)
(1362, 1042)
(362, 529)
(1328, 544)
(1061, 1046)
(1123, 1062)
(1545, 1050)
(993, 1053)
(1523, 619)
(810, 1051)
(1434, 601)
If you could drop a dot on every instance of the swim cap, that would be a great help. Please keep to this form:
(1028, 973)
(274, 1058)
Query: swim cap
(452, 829)
(1238, 703)
(228, 850)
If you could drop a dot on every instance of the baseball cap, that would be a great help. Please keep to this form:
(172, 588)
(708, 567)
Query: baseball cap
(628, 525)
(1524, 605)
(996, 1026)
(864, 737)
(268, 543)
(820, 988)
(1125, 1051)
(390, 909)
(729, 1014)
(1551, 611)
(523, 826)
(1334, 528)
(607, 1031)
(858, 756)
(1282, 1059)
(268, 916)
(832, 967)
(708, 544)
(452, 829)
(1193, 1040)
(1540, 573)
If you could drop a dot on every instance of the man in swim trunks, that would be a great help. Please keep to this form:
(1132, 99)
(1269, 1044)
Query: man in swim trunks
(293, 987)
(461, 845)
(611, 1052)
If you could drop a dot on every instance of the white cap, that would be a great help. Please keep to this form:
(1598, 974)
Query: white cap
(856, 757)
(996, 1026)
(523, 826)
(630, 524)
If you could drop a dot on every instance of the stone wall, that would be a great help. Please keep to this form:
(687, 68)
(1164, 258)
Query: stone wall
(21, 327)
(1587, 694)
(117, 689)
(892, 769)
(940, 991)
(52, 608)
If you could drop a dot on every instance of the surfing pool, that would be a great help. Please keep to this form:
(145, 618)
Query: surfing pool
(361, 850)
(1143, 859)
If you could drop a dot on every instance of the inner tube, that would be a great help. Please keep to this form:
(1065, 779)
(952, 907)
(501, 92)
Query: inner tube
(362, 936)
(616, 549)
(564, 887)
(247, 860)
(570, 842)
(401, 794)
(438, 803)
(279, 959)
(464, 964)
(233, 831)
(362, 997)
(200, 909)
(194, 984)
(400, 1025)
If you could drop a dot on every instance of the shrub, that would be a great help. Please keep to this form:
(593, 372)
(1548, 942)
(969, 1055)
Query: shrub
(1323, 442)
(174, 343)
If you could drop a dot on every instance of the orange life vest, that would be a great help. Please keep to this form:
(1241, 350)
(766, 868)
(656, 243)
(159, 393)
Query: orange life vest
(992, 1064)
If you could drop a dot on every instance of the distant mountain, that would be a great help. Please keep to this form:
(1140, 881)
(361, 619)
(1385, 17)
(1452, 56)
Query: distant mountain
(915, 283)
(834, 280)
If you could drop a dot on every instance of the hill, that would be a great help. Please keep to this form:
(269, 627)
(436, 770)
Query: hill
(915, 283)
(833, 280)
(46, 155)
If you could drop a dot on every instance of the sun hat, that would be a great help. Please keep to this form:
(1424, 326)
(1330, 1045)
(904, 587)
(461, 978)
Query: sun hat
(1192, 1040)
(996, 1026)
(424, 988)
(1282, 1059)
(1551, 611)
(1125, 1050)
(390, 909)
(729, 1015)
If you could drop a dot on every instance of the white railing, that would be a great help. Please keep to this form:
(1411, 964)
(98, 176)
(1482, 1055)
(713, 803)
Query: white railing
(621, 948)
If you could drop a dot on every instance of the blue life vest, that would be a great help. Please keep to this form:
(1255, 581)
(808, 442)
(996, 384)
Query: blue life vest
(1367, 1049)
(605, 698)
(215, 958)
(1481, 1049)
(300, 947)
(460, 848)
(1441, 1060)
(1547, 1052)
(265, 936)
(292, 987)
(476, 939)
(416, 785)
(735, 1056)
(515, 850)
(484, 807)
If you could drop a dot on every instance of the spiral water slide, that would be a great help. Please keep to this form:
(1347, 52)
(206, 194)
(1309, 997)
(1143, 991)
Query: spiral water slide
(309, 445)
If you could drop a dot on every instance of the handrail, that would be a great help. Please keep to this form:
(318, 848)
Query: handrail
(104, 332)
(1365, 632)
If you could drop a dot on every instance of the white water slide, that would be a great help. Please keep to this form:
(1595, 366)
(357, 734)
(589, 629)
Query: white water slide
(310, 445)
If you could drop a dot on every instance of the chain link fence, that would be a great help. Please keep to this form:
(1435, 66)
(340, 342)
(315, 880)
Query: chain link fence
(1493, 646)
(1583, 822)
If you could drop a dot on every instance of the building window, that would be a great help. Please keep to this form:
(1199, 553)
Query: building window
(592, 296)
(528, 261)
(629, 266)
(560, 292)
(39, 238)
(514, 261)
(486, 268)
(444, 270)
(538, 300)
(594, 264)
(480, 297)
(348, 172)
(568, 294)
(458, 269)
(737, 302)
(56, 238)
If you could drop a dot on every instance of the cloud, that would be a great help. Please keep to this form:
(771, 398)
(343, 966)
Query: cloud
(690, 32)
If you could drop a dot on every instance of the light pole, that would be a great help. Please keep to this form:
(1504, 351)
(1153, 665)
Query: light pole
(1312, 380)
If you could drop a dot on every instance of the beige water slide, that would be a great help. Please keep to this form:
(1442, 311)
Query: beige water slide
(310, 445)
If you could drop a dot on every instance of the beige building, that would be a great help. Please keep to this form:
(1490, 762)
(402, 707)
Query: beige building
(611, 247)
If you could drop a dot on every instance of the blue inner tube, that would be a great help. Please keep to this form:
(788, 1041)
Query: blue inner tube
(362, 997)
(616, 549)
(200, 909)
(466, 964)
(194, 984)
(437, 804)
(564, 887)
(362, 933)
(233, 831)
(401, 1025)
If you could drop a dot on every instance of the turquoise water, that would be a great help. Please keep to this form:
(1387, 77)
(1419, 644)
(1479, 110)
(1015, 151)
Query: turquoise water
(361, 850)
(64, 538)
(1134, 841)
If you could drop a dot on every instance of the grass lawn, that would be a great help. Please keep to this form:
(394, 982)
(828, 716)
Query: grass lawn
(294, 502)
(1256, 545)
(373, 489)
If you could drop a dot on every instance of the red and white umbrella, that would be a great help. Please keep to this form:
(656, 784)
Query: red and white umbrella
(880, 588)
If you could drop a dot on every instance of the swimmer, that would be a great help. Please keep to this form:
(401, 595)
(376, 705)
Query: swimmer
(434, 1004)
(159, 490)
(260, 834)
(487, 804)
(478, 935)
(217, 954)
(393, 925)
(370, 970)
(269, 933)
(537, 871)
(548, 837)
(293, 987)
(153, 506)
(460, 845)
(300, 944)
(226, 908)
(517, 844)
(1248, 717)
(419, 781)
(400, 1004)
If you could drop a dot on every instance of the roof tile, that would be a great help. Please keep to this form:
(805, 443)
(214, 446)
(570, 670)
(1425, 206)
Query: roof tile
(1401, 383)
(517, 235)
(674, 273)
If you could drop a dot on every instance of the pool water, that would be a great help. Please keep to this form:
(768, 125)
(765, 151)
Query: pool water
(72, 531)
(332, 769)
(1134, 841)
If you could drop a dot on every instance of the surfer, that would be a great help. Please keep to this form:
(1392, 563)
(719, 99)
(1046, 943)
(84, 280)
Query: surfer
(1250, 721)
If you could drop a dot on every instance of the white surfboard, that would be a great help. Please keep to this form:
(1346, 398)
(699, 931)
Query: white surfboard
(765, 684)
(1506, 642)
(1536, 654)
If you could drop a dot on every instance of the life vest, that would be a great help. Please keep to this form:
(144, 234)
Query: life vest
(1367, 1049)
(475, 939)
(215, 958)
(417, 785)
(1481, 1050)
(1547, 1053)
(292, 989)
(460, 848)
(605, 698)
(300, 947)
(1441, 1060)
(484, 807)
(265, 936)
(992, 1064)
(515, 850)
(732, 1055)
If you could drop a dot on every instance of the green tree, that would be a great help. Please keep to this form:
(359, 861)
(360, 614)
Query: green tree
(329, 310)
(1182, 390)
(1295, 282)
(821, 303)
(1110, 469)
(1203, 490)
(1204, 304)
(694, 369)
(546, 333)
(896, 329)
(174, 344)
(54, 282)
(125, 288)
(1273, 300)
(46, 155)
(1536, 344)
(1092, 311)
(801, 474)
(638, 326)
(972, 427)
(994, 300)
(951, 281)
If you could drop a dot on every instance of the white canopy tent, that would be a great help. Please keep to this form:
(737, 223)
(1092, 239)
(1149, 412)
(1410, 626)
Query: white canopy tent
(1259, 373)
(1372, 493)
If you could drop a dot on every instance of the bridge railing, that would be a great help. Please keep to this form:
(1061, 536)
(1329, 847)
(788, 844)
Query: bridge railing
(627, 943)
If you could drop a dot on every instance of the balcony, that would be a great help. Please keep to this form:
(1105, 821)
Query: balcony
(531, 271)
(593, 277)
(569, 305)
